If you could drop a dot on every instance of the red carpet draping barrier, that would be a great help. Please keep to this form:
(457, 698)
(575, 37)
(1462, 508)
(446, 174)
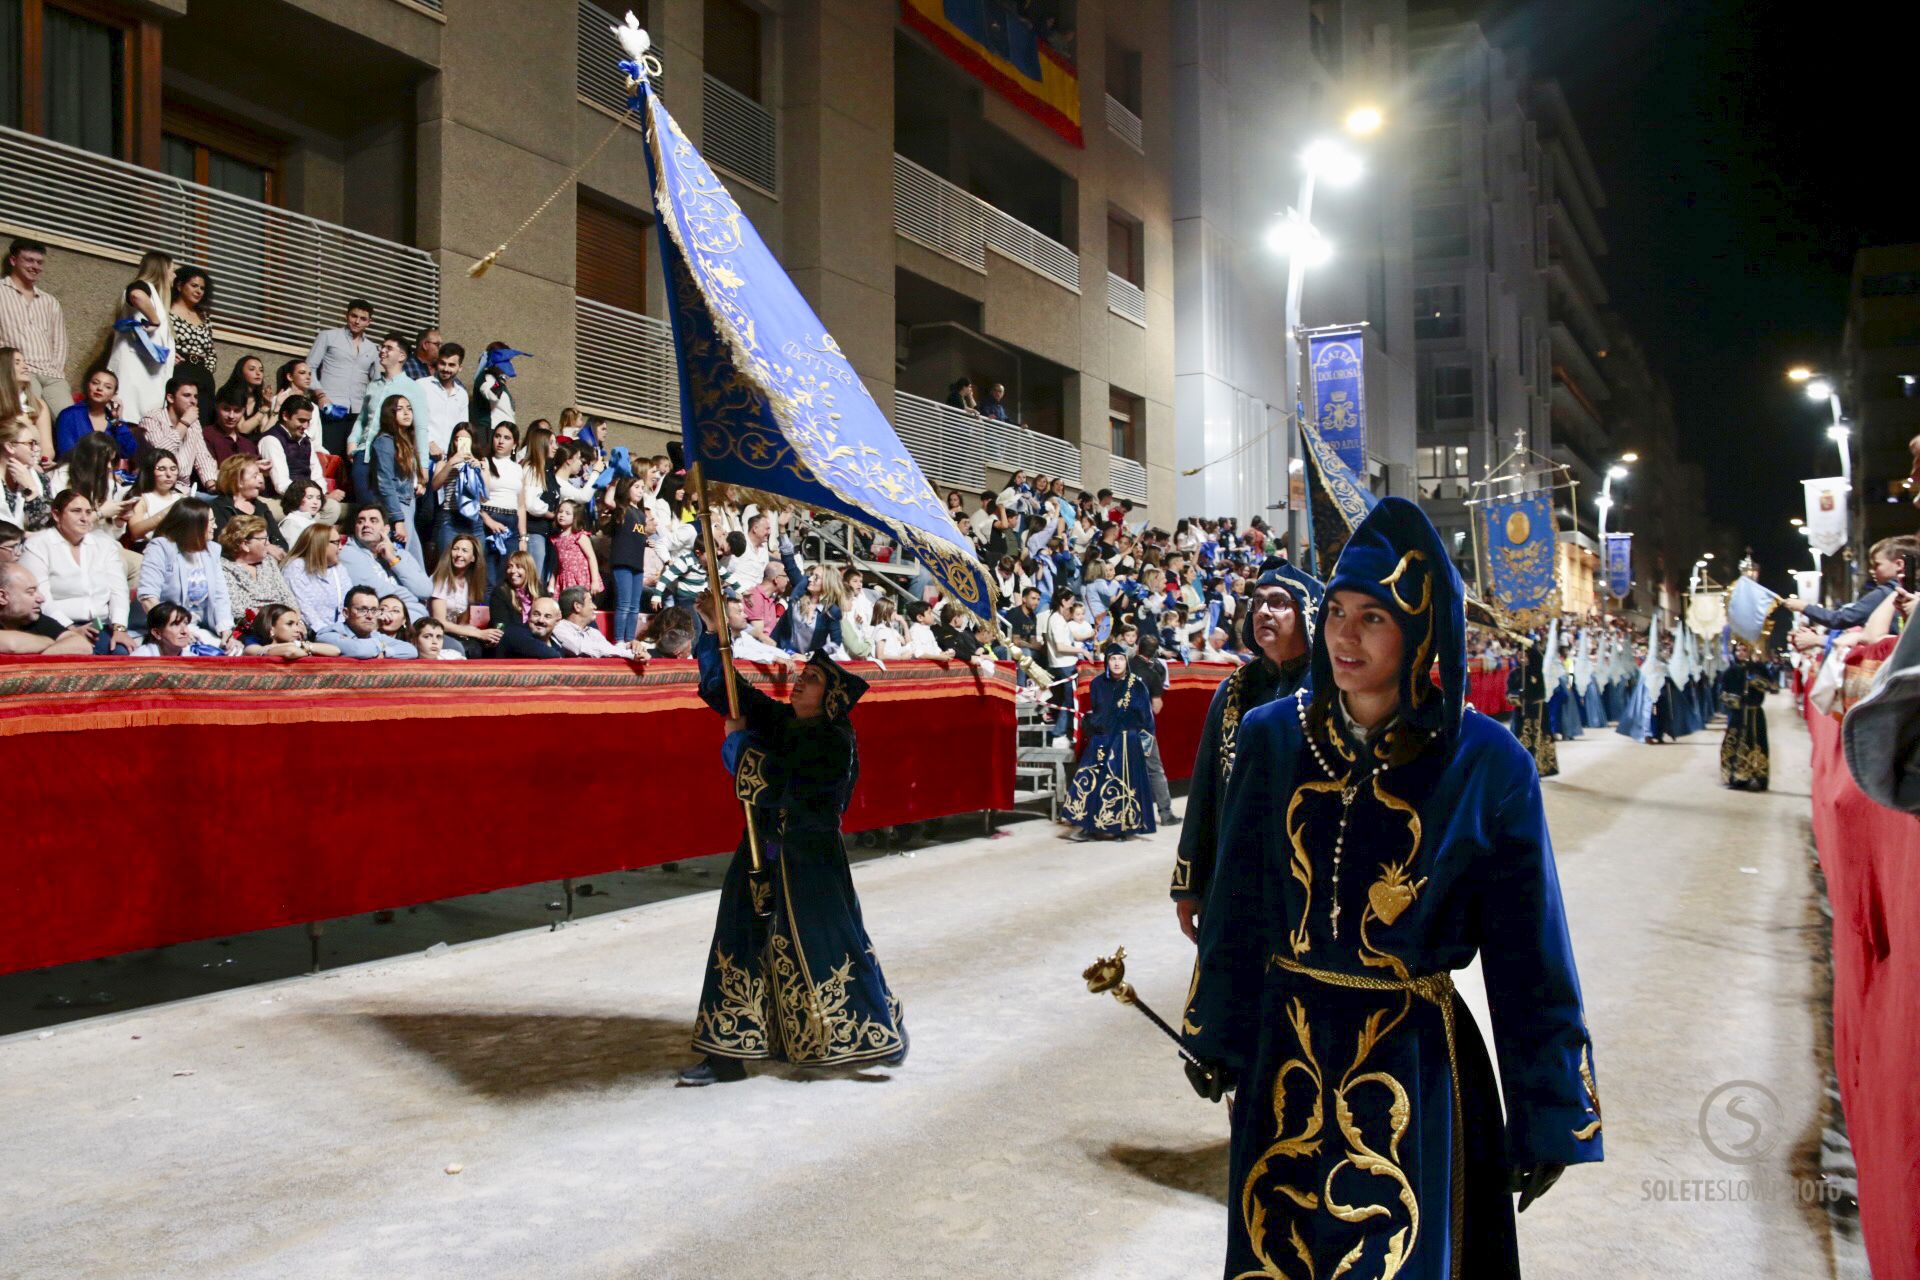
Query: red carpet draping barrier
(1871, 857)
(159, 801)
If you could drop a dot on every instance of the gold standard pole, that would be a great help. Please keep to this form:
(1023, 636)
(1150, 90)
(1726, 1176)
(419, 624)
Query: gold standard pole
(755, 863)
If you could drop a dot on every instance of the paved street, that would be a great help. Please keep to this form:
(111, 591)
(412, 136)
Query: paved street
(311, 1128)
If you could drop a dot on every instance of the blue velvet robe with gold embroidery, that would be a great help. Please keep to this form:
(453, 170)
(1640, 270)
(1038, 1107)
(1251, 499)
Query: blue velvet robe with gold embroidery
(1253, 685)
(1109, 794)
(1339, 906)
(1746, 764)
(804, 985)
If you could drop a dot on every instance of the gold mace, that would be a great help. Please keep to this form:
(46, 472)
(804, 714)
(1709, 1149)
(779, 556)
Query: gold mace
(1109, 973)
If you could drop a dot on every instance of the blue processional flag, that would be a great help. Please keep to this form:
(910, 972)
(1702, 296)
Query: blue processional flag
(1521, 556)
(1619, 564)
(767, 400)
(1336, 364)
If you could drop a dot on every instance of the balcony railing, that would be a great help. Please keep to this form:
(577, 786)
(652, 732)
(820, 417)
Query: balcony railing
(623, 366)
(1127, 478)
(954, 447)
(597, 78)
(1125, 299)
(282, 277)
(934, 213)
(1124, 124)
(945, 441)
(739, 136)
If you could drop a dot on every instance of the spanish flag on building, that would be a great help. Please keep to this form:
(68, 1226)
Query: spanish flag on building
(999, 47)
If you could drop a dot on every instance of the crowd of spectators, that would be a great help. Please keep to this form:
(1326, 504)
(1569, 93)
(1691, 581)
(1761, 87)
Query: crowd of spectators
(375, 500)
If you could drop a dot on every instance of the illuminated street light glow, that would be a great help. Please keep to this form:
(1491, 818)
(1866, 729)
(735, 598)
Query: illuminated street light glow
(1617, 471)
(1819, 389)
(1332, 163)
(1799, 373)
(1364, 120)
(1795, 521)
(1629, 456)
(1838, 433)
(1292, 238)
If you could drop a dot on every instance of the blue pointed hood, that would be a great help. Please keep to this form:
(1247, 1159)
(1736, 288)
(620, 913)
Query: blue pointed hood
(1396, 556)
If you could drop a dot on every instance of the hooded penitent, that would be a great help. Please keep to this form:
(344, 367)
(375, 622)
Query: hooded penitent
(843, 687)
(1396, 556)
(1305, 589)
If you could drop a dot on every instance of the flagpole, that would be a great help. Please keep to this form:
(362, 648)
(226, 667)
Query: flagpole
(756, 864)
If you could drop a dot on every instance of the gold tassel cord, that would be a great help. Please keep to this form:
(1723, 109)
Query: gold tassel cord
(479, 268)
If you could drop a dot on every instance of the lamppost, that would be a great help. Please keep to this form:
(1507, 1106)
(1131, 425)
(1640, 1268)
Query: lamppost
(1618, 471)
(1819, 387)
(1295, 236)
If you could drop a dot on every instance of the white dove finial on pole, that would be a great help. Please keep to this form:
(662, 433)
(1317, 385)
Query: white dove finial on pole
(637, 44)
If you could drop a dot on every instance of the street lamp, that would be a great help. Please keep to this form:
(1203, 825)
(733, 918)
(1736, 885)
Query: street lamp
(1618, 471)
(1822, 387)
(1331, 161)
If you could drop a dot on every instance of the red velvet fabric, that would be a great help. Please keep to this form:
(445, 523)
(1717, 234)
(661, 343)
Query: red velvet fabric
(193, 800)
(1871, 857)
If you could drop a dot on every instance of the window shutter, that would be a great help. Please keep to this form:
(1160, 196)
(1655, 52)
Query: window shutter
(611, 257)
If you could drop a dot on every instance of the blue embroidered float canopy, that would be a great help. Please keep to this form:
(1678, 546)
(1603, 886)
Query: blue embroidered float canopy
(767, 400)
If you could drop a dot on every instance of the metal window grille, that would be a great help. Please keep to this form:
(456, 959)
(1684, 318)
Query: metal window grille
(1127, 478)
(934, 213)
(1125, 299)
(597, 76)
(740, 137)
(1124, 124)
(624, 366)
(945, 441)
(281, 276)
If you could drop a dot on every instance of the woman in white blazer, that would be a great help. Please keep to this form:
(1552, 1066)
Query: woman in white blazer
(84, 577)
(182, 564)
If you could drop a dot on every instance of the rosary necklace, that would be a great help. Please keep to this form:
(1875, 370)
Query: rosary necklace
(1349, 792)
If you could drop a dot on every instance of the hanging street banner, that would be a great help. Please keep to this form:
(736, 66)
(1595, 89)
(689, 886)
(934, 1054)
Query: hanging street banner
(1521, 556)
(1618, 554)
(1337, 501)
(1826, 514)
(767, 400)
(1336, 364)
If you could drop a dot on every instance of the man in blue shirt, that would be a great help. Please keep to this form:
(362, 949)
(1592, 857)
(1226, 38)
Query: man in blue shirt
(372, 561)
(358, 636)
(1886, 561)
(342, 363)
(426, 355)
(994, 406)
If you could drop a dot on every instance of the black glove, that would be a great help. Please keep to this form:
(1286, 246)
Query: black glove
(1211, 1080)
(1534, 1181)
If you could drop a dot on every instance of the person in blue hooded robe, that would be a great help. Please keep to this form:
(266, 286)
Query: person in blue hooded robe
(1109, 796)
(798, 981)
(1527, 690)
(1377, 836)
(1278, 627)
(1746, 763)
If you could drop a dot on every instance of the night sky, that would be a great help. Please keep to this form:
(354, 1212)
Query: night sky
(1747, 149)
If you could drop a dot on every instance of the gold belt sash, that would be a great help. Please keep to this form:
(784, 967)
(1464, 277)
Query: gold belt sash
(1438, 990)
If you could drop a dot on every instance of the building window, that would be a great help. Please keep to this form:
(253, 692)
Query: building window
(1123, 248)
(1323, 18)
(610, 256)
(1436, 155)
(732, 49)
(1123, 76)
(1440, 231)
(1439, 311)
(1125, 416)
(75, 70)
(1452, 391)
(1442, 471)
(200, 146)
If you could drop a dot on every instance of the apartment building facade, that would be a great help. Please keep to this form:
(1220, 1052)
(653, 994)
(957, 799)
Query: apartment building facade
(1480, 255)
(1880, 388)
(1255, 83)
(309, 151)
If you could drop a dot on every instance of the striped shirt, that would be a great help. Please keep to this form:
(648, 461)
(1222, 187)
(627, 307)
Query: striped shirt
(187, 444)
(32, 324)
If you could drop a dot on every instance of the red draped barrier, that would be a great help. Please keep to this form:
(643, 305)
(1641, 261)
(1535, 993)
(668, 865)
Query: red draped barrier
(167, 800)
(1871, 857)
